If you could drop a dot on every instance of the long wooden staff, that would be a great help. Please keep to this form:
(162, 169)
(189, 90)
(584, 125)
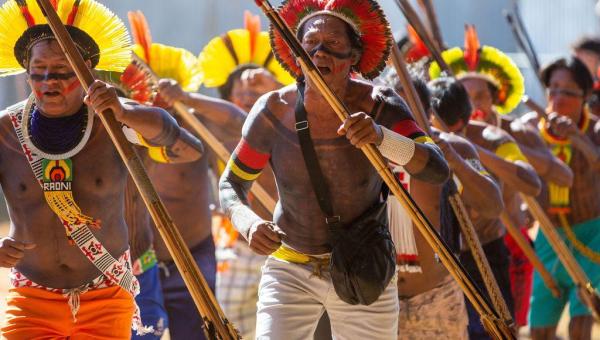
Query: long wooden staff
(521, 42)
(517, 236)
(434, 26)
(466, 225)
(413, 19)
(525, 246)
(587, 293)
(216, 325)
(419, 219)
(218, 148)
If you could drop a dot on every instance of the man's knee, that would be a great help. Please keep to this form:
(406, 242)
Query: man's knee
(580, 327)
(543, 333)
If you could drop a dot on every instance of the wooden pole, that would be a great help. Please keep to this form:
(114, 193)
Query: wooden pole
(434, 26)
(413, 19)
(515, 233)
(587, 293)
(489, 317)
(216, 325)
(466, 225)
(218, 148)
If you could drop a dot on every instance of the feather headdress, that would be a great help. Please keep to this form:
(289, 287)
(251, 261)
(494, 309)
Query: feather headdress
(365, 17)
(236, 48)
(487, 63)
(98, 33)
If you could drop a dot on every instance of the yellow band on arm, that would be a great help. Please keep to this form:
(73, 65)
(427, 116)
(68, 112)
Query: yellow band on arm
(159, 154)
(510, 152)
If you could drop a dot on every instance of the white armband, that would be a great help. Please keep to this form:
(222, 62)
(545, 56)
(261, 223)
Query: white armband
(396, 148)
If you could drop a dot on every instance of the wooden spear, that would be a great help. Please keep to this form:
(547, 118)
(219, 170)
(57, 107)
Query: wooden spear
(413, 19)
(587, 293)
(525, 246)
(218, 148)
(517, 236)
(489, 316)
(434, 26)
(216, 325)
(456, 201)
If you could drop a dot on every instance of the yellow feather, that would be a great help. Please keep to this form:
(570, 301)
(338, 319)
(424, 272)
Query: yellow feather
(175, 63)
(107, 30)
(216, 63)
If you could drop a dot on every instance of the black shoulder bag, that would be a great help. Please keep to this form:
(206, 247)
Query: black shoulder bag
(363, 254)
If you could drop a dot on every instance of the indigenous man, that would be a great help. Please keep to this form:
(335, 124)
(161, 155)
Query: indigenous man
(188, 204)
(70, 286)
(241, 65)
(495, 87)
(432, 304)
(294, 290)
(575, 209)
(497, 149)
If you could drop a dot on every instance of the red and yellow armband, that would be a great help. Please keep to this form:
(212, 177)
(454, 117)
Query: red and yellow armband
(409, 128)
(510, 152)
(247, 162)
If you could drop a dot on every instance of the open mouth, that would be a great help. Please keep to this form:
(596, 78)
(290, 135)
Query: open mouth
(324, 70)
(51, 93)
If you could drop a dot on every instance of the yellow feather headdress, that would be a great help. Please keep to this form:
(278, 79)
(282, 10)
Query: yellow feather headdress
(487, 63)
(100, 35)
(239, 47)
(166, 61)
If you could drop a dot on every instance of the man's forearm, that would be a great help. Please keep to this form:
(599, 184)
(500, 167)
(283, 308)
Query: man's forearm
(216, 110)
(519, 176)
(548, 167)
(479, 191)
(234, 202)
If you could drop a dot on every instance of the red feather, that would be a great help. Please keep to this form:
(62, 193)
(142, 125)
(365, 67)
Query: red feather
(252, 24)
(138, 83)
(471, 47)
(418, 49)
(368, 18)
(140, 31)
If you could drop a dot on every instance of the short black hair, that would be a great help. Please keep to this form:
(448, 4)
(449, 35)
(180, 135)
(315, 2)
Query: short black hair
(417, 79)
(225, 89)
(588, 43)
(449, 100)
(580, 73)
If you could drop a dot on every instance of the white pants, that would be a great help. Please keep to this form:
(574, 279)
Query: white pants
(291, 301)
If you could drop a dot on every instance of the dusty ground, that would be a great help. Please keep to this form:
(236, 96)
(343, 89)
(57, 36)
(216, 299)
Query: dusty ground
(563, 330)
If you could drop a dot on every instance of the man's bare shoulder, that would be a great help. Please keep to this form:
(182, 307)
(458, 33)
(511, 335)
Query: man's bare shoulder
(464, 148)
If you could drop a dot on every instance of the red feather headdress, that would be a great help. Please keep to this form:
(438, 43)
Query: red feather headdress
(364, 16)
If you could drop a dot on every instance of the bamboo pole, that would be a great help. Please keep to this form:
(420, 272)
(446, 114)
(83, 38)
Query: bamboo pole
(413, 19)
(489, 317)
(216, 325)
(587, 293)
(517, 236)
(515, 233)
(211, 140)
(434, 26)
(466, 225)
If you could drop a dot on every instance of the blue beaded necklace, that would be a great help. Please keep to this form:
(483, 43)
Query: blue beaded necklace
(57, 135)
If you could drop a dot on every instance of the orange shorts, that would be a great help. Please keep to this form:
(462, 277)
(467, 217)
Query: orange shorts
(34, 313)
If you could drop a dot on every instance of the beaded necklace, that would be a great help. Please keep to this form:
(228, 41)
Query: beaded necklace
(52, 166)
(562, 149)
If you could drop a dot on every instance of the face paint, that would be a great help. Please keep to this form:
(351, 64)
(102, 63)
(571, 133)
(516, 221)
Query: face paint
(323, 48)
(51, 76)
(74, 85)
